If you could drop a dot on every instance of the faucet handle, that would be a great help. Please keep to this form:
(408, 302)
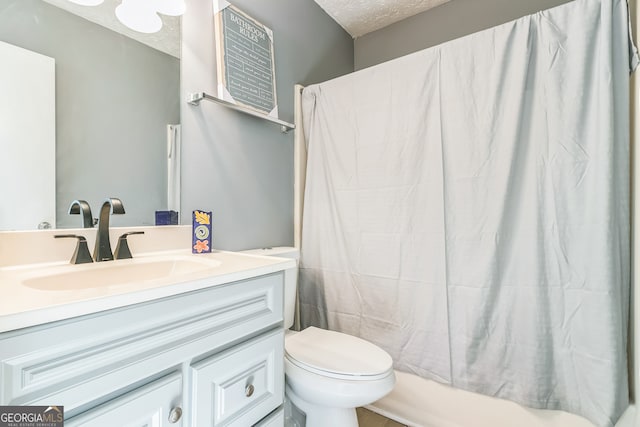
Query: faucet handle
(81, 255)
(122, 248)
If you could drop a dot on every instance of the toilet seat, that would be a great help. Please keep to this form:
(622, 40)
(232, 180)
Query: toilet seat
(337, 355)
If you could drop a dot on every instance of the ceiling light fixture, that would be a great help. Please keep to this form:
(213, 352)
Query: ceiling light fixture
(139, 15)
(142, 15)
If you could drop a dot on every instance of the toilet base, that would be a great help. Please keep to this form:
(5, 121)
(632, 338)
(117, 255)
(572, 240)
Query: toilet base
(323, 416)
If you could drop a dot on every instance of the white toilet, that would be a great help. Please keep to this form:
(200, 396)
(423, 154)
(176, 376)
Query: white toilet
(328, 374)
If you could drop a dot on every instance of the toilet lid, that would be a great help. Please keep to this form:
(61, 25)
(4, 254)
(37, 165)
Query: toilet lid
(336, 354)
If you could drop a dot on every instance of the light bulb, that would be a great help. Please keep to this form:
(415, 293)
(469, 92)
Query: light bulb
(139, 15)
(87, 2)
(170, 7)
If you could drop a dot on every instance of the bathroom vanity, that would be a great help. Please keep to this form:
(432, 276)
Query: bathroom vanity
(201, 348)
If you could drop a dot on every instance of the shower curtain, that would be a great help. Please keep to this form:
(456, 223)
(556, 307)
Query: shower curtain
(467, 209)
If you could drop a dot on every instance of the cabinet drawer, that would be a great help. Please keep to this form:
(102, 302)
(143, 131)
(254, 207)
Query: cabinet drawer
(156, 404)
(240, 385)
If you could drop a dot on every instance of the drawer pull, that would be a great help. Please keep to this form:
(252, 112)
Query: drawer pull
(249, 390)
(175, 415)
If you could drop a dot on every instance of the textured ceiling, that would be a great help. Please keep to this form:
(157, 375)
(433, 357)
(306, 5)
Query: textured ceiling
(359, 17)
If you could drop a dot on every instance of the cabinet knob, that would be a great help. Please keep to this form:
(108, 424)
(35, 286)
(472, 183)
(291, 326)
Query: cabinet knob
(175, 415)
(249, 390)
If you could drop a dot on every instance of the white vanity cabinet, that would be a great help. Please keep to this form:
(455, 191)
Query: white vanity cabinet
(211, 357)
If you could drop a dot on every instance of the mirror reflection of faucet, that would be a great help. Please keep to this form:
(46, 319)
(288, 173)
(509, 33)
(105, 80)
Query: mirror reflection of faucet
(78, 207)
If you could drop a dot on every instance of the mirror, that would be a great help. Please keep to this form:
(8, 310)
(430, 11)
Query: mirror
(114, 95)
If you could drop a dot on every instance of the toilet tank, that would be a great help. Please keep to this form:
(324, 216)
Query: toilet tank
(290, 278)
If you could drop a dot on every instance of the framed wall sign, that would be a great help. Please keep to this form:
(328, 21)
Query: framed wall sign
(245, 60)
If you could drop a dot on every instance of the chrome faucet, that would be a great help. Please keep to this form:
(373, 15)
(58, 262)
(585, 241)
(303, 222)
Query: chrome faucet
(82, 207)
(102, 250)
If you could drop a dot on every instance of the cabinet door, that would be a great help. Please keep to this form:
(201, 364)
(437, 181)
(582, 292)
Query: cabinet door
(240, 386)
(154, 405)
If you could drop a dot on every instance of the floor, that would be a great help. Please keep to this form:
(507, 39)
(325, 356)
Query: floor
(367, 418)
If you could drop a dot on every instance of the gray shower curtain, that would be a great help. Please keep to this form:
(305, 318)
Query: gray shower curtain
(467, 209)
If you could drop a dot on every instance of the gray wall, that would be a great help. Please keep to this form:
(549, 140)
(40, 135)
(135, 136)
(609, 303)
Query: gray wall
(114, 98)
(449, 21)
(237, 166)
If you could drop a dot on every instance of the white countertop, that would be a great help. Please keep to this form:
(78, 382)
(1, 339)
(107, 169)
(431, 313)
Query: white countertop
(22, 306)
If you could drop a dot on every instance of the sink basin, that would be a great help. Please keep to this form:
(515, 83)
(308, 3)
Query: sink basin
(117, 273)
